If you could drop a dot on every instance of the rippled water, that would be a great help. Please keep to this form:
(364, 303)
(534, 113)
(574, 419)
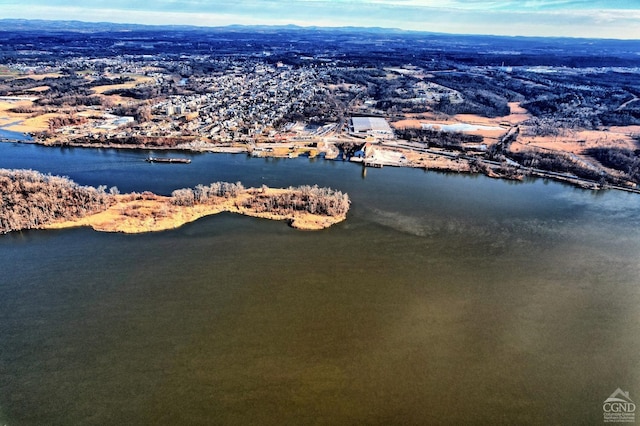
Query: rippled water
(442, 299)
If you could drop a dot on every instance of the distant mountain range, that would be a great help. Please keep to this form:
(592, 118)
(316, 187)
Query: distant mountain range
(588, 47)
(80, 26)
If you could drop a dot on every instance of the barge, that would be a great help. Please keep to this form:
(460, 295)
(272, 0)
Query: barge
(167, 160)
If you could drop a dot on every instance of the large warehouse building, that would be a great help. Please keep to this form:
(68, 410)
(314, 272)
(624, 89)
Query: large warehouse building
(371, 126)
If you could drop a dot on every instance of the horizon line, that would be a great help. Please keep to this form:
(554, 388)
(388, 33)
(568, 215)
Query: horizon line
(306, 27)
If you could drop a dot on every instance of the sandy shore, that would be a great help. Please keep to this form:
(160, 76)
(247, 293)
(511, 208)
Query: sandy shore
(133, 214)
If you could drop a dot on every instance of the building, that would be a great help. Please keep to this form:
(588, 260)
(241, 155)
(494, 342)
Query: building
(371, 126)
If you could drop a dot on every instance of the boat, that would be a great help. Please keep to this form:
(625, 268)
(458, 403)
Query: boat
(168, 160)
(374, 165)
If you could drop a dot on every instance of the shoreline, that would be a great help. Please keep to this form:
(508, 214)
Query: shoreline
(442, 162)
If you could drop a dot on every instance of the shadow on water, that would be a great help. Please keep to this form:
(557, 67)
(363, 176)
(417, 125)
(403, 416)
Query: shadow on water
(442, 299)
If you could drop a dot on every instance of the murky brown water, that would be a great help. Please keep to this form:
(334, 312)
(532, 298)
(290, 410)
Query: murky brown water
(441, 300)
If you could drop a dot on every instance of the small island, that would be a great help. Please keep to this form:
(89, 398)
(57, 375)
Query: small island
(31, 200)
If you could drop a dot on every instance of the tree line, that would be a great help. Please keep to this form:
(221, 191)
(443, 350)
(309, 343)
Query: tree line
(311, 199)
(451, 140)
(206, 194)
(557, 162)
(624, 160)
(30, 199)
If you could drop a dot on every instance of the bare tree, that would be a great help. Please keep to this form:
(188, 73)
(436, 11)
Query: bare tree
(30, 199)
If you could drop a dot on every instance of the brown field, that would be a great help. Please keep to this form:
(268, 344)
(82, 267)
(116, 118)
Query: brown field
(576, 142)
(138, 79)
(489, 134)
(5, 106)
(39, 89)
(24, 123)
(33, 124)
(109, 100)
(435, 162)
(518, 115)
(38, 77)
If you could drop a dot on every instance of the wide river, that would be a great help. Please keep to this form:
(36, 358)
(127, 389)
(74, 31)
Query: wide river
(442, 299)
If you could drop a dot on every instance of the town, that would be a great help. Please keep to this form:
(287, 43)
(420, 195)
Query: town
(292, 93)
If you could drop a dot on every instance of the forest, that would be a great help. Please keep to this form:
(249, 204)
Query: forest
(310, 199)
(31, 199)
(627, 162)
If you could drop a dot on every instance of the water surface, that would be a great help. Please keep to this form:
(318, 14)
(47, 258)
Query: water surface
(442, 299)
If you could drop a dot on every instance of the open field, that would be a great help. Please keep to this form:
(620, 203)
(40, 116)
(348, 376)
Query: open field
(138, 79)
(24, 123)
(576, 142)
(490, 128)
(33, 124)
(39, 89)
(39, 77)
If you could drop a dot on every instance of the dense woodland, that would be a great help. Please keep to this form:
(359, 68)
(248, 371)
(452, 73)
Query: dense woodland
(31, 199)
(206, 194)
(310, 199)
(624, 160)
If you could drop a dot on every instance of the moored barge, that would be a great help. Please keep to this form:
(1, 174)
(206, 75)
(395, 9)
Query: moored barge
(168, 160)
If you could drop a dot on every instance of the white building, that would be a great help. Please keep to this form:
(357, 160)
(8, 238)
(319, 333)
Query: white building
(371, 126)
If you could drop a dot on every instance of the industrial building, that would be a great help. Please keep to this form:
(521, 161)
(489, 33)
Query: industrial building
(371, 126)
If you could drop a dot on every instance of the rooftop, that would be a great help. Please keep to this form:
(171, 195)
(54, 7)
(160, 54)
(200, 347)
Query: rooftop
(367, 124)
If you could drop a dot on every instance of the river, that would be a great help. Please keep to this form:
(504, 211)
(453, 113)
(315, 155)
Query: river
(442, 299)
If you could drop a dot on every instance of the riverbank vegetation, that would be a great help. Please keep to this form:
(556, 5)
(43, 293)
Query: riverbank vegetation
(626, 161)
(309, 199)
(435, 138)
(32, 200)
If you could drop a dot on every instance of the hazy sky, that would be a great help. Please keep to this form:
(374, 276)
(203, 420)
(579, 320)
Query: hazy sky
(573, 18)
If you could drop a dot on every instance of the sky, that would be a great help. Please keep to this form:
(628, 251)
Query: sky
(567, 18)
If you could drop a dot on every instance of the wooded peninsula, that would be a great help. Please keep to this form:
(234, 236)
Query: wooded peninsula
(32, 200)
